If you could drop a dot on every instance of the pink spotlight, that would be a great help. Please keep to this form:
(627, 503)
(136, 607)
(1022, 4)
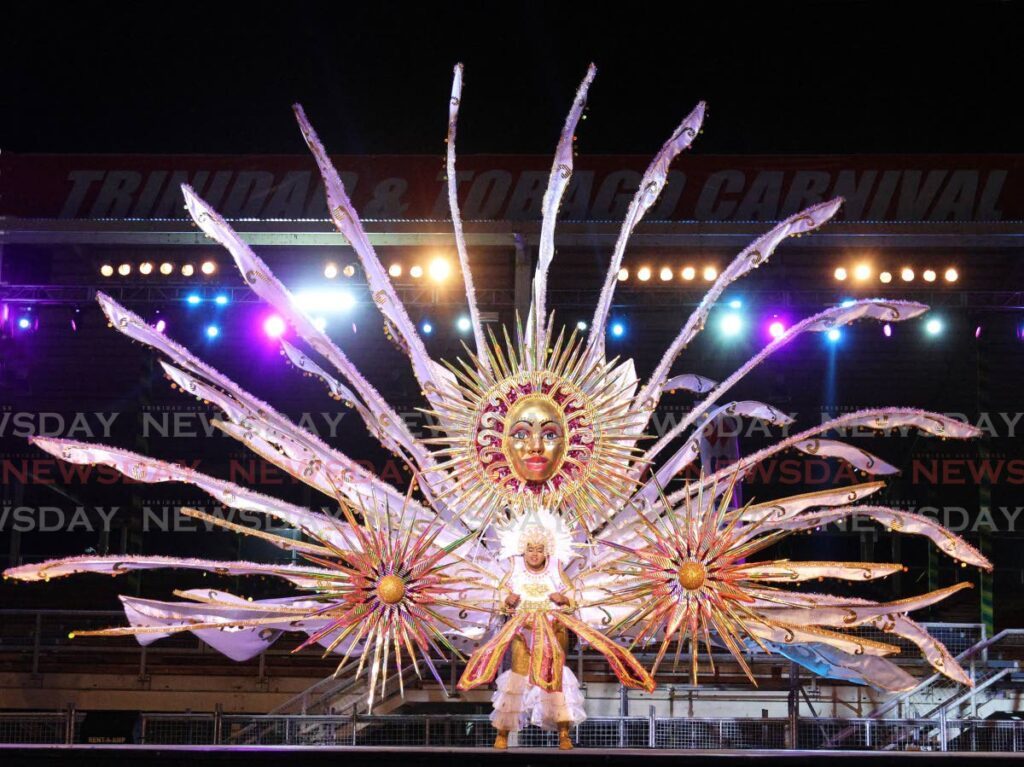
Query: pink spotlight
(977, 332)
(776, 329)
(161, 326)
(887, 330)
(274, 326)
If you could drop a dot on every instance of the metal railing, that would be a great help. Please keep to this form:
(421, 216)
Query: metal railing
(987, 661)
(467, 731)
(53, 727)
(475, 731)
(38, 642)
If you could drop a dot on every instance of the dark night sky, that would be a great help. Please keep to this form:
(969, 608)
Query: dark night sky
(837, 77)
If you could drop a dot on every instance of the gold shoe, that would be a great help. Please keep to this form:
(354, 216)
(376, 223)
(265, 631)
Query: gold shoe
(502, 740)
(564, 741)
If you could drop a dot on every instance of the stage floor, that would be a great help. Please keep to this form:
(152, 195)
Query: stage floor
(311, 756)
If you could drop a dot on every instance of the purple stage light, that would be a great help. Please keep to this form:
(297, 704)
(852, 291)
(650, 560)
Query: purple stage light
(24, 323)
(776, 329)
(161, 326)
(274, 326)
(977, 332)
(887, 330)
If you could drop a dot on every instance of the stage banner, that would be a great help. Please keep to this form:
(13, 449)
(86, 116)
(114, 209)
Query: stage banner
(889, 188)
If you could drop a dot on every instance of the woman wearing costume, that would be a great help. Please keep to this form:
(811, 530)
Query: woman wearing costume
(536, 595)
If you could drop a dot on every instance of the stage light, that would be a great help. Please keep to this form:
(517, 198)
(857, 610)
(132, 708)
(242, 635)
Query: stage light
(951, 275)
(776, 329)
(208, 267)
(349, 270)
(416, 272)
(320, 323)
(623, 274)
(618, 329)
(887, 330)
(192, 299)
(907, 274)
(710, 273)
(689, 273)
(426, 327)
(862, 272)
(933, 326)
(581, 325)
(107, 270)
(188, 270)
(840, 274)
(847, 302)
(221, 299)
(24, 323)
(439, 269)
(166, 268)
(665, 274)
(274, 326)
(160, 326)
(124, 270)
(731, 324)
(463, 324)
(643, 273)
(885, 277)
(735, 304)
(834, 335)
(325, 301)
(395, 270)
(929, 275)
(331, 270)
(977, 332)
(212, 331)
(145, 268)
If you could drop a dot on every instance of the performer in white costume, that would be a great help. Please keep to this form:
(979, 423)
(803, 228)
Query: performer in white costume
(536, 582)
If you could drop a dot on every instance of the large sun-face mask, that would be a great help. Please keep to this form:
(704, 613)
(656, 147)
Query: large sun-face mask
(534, 441)
(539, 427)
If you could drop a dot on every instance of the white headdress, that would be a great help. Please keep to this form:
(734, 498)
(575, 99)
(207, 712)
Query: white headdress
(536, 525)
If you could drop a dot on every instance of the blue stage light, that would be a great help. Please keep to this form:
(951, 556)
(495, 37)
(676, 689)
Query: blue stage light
(24, 323)
(427, 328)
(731, 324)
(933, 326)
(212, 331)
(221, 300)
(834, 335)
(192, 299)
(618, 329)
(463, 324)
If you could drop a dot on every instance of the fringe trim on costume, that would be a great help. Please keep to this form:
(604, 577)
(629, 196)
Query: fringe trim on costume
(510, 702)
(549, 708)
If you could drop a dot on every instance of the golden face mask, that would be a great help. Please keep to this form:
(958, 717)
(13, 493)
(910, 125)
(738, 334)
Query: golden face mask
(535, 438)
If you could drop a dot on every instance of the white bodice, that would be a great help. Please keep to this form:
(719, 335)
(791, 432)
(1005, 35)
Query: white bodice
(533, 588)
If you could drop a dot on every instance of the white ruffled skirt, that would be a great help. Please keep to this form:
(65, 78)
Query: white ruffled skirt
(518, 703)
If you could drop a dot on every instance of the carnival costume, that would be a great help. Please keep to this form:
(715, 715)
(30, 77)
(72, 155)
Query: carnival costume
(535, 689)
(536, 418)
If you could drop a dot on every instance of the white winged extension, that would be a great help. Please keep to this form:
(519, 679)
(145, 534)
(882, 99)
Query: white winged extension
(804, 627)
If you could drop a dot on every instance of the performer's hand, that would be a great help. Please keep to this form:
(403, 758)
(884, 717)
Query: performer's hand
(559, 599)
(512, 601)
